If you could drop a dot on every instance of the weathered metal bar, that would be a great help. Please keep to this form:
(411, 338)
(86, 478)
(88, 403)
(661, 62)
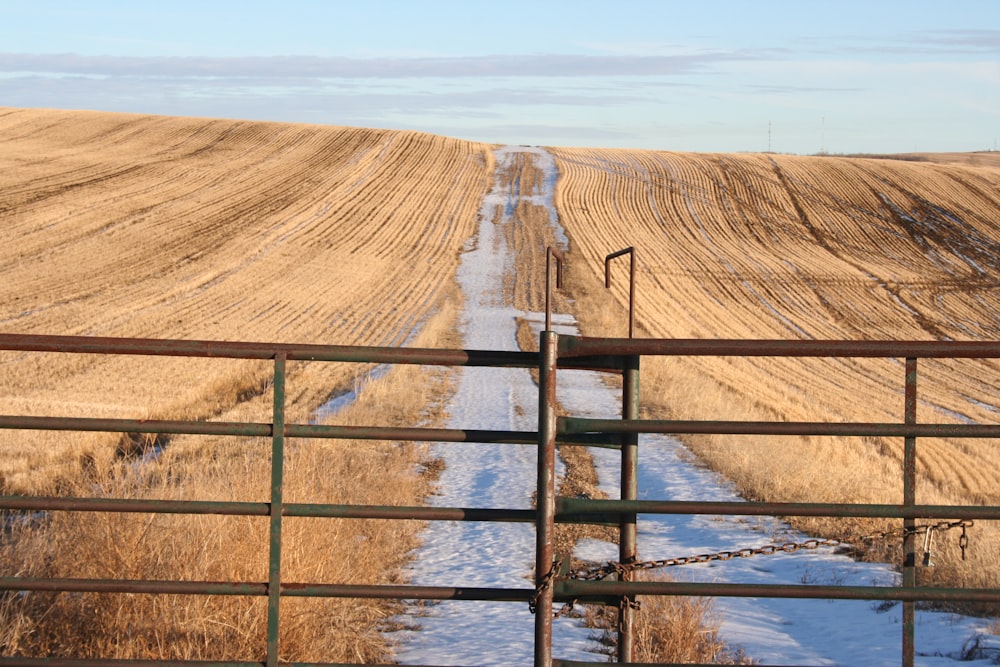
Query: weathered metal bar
(608, 363)
(259, 429)
(102, 662)
(250, 350)
(578, 346)
(569, 347)
(579, 425)
(578, 663)
(260, 589)
(631, 284)
(609, 590)
(545, 499)
(276, 513)
(141, 506)
(909, 500)
(388, 592)
(603, 440)
(627, 532)
(610, 355)
(568, 509)
(412, 513)
(410, 433)
(134, 425)
(147, 586)
(550, 254)
(107, 662)
(418, 513)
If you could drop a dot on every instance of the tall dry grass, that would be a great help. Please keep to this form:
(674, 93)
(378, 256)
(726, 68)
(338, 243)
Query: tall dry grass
(669, 630)
(218, 548)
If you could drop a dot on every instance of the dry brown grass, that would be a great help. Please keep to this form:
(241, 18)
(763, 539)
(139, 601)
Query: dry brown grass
(213, 548)
(669, 629)
(759, 246)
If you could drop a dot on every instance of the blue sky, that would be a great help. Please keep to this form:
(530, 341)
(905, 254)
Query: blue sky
(700, 75)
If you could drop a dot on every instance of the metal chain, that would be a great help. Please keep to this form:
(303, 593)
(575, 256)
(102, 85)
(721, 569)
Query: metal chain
(613, 567)
(928, 531)
(544, 584)
(602, 571)
(940, 526)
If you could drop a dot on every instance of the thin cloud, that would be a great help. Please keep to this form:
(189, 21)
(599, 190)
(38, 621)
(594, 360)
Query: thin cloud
(798, 90)
(958, 43)
(284, 67)
(965, 41)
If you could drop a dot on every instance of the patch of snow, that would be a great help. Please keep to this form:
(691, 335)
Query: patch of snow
(486, 475)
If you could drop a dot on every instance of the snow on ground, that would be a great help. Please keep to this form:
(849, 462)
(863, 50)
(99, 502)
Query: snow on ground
(485, 475)
(814, 632)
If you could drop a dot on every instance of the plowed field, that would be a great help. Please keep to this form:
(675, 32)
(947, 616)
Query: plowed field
(142, 226)
(787, 247)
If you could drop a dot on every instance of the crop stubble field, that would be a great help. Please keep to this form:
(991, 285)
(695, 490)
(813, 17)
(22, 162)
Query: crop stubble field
(119, 225)
(787, 247)
(218, 230)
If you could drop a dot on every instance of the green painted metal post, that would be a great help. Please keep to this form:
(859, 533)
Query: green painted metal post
(627, 541)
(909, 500)
(546, 491)
(627, 537)
(277, 479)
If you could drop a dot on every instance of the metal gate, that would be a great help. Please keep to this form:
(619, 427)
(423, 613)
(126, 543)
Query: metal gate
(552, 586)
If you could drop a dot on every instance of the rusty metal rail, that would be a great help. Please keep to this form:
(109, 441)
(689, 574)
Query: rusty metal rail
(552, 585)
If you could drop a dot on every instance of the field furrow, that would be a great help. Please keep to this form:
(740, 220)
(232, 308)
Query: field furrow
(775, 246)
(124, 225)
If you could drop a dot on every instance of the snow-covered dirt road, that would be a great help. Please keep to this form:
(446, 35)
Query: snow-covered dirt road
(810, 632)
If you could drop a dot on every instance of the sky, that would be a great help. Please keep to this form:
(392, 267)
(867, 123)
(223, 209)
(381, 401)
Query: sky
(805, 77)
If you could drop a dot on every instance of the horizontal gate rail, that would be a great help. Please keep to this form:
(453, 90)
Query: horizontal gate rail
(577, 347)
(571, 509)
(265, 429)
(611, 591)
(69, 662)
(576, 425)
(230, 508)
(260, 589)
(240, 350)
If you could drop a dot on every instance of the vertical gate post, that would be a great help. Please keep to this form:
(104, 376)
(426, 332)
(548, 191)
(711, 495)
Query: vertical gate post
(550, 254)
(909, 500)
(630, 461)
(277, 478)
(546, 503)
(627, 547)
